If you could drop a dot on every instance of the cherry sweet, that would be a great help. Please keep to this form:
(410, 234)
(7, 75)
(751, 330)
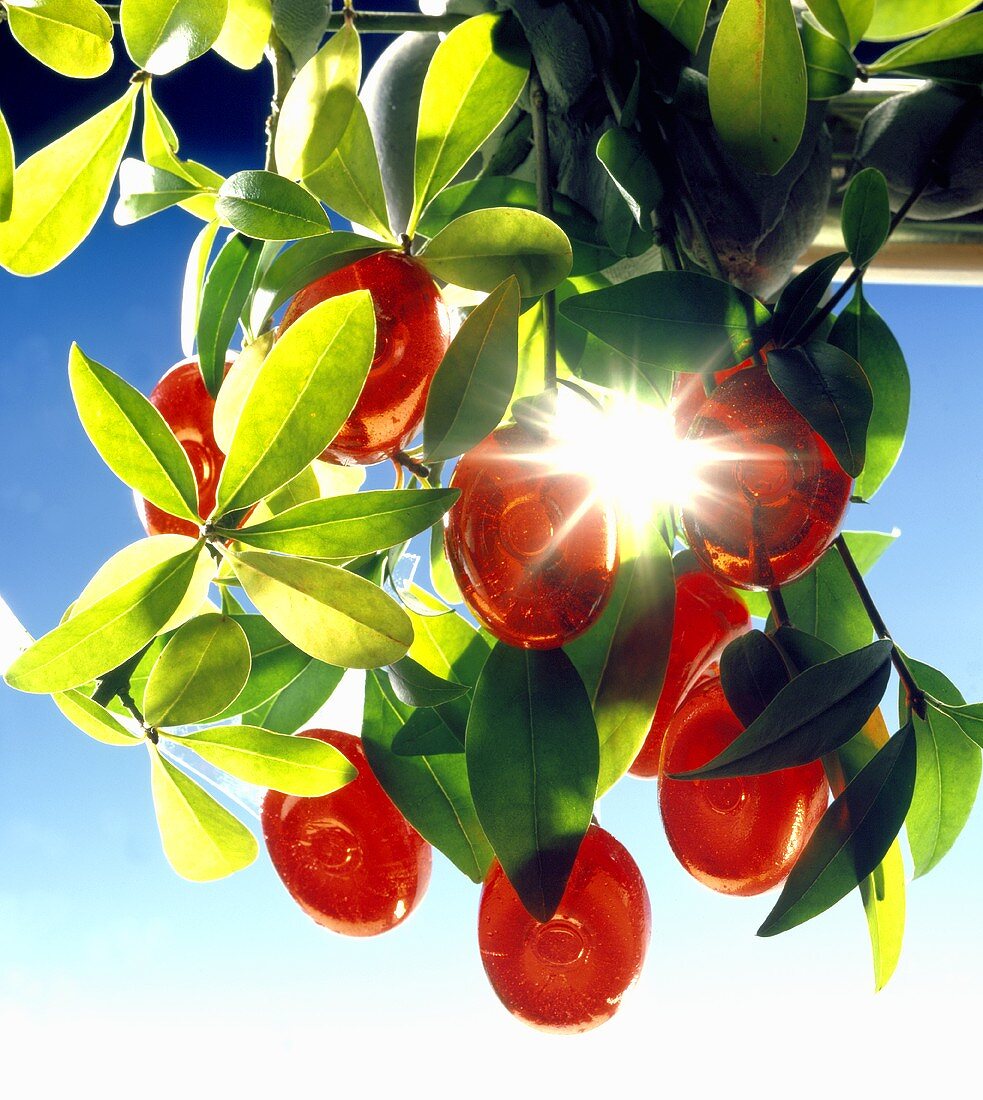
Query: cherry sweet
(182, 400)
(350, 859)
(412, 334)
(772, 494)
(569, 973)
(708, 616)
(533, 549)
(737, 836)
(689, 393)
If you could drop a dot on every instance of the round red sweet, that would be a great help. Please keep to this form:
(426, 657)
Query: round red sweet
(412, 334)
(772, 495)
(570, 973)
(737, 836)
(533, 547)
(708, 616)
(350, 859)
(689, 393)
(182, 400)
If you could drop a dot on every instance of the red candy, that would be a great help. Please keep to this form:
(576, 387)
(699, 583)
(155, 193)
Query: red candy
(772, 494)
(533, 549)
(569, 974)
(182, 400)
(737, 836)
(708, 617)
(412, 334)
(349, 859)
(689, 393)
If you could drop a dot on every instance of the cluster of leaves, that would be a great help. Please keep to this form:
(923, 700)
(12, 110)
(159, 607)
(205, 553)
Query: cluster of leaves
(486, 749)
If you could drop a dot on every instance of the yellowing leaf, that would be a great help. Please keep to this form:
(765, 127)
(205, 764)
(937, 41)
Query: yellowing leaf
(245, 32)
(70, 36)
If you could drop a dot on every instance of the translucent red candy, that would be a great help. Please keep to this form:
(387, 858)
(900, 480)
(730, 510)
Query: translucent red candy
(182, 400)
(569, 974)
(772, 495)
(737, 836)
(349, 859)
(708, 616)
(533, 548)
(412, 334)
(689, 393)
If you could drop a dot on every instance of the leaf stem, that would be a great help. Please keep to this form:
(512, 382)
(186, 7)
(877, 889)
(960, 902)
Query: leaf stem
(778, 608)
(283, 75)
(544, 204)
(411, 464)
(368, 22)
(116, 683)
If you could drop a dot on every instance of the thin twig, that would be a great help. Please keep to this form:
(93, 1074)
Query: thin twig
(283, 75)
(544, 204)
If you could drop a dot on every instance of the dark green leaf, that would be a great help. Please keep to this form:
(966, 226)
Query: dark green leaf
(162, 37)
(685, 20)
(226, 288)
(294, 704)
(801, 649)
(953, 52)
(624, 156)
(270, 207)
(416, 686)
(70, 36)
(830, 67)
(300, 25)
(846, 20)
(866, 215)
(274, 662)
(800, 299)
(532, 757)
(427, 733)
(752, 673)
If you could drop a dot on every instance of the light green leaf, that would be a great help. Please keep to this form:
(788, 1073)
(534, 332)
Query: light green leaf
(70, 36)
(201, 839)
(830, 67)
(953, 52)
(318, 106)
(326, 611)
(274, 662)
(269, 207)
(685, 20)
(236, 386)
(846, 20)
(61, 190)
(757, 83)
(201, 671)
(105, 634)
(291, 707)
(245, 33)
(866, 215)
(969, 718)
(301, 766)
(481, 249)
(194, 278)
(145, 190)
(92, 718)
(474, 79)
(895, 19)
(160, 37)
(6, 170)
(303, 393)
(132, 437)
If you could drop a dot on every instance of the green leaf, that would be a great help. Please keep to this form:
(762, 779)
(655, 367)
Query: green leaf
(969, 718)
(473, 386)
(300, 766)
(481, 249)
(846, 20)
(327, 612)
(947, 776)
(6, 170)
(674, 320)
(532, 756)
(953, 52)
(685, 20)
(830, 390)
(194, 278)
(821, 709)
(894, 19)
(144, 190)
(757, 83)
(473, 81)
(866, 215)
(293, 705)
(800, 299)
(132, 437)
(235, 389)
(245, 32)
(61, 190)
(162, 37)
(428, 733)
(348, 526)
(70, 36)
(861, 333)
(627, 163)
(267, 206)
(431, 792)
(300, 25)
(318, 106)
(350, 181)
(752, 673)
(201, 839)
(622, 657)
(830, 67)
(202, 670)
(854, 836)
(92, 718)
(274, 663)
(226, 289)
(415, 686)
(303, 393)
(108, 632)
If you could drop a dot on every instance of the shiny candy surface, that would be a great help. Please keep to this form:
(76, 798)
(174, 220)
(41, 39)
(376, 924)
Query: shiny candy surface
(737, 836)
(772, 496)
(569, 974)
(708, 616)
(349, 859)
(412, 334)
(533, 548)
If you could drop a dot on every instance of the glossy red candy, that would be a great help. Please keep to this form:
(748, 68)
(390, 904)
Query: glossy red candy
(412, 334)
(708, 616)
(737, 836)
(689, 393)
(772, 495)
(349, 859)
(569, 974)
(182, 400)
(533, 548)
